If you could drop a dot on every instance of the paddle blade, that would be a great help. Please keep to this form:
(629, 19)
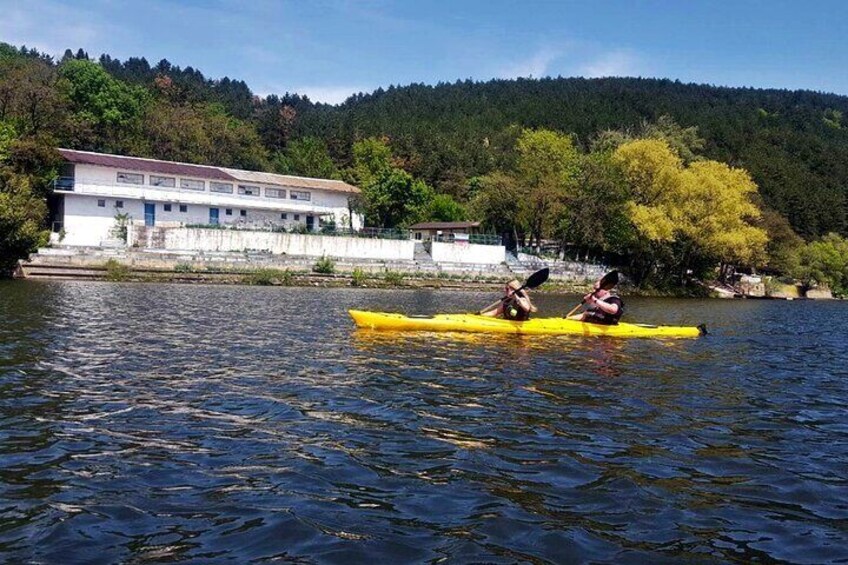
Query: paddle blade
(538, 278)
(609, 280)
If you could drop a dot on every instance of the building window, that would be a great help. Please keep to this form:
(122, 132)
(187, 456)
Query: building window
(101, 203)
(242, 213)
(284, 216)
(183, 208)
(229, 211)
(166, 182)
(297, 217)
(300, 195)
(192, 184)
(418, 235)
(119, 203)
(248, 190)
(130, 178)
(223, 187)
(167, 207)
(275, 193)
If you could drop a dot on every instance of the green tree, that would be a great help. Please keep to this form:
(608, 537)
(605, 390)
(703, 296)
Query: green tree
(594, 217)
(443, 208)
(372, 157)
(22, 217)
(687, 218)
(685, 142)
(36, 159)
(307, 157)
(233, 142)
(825, 262)
(497, 203)
(395, 199)
(178, 133)
(107, 113)
(7, 136)
(547, 167)
(784, 244)
(29, 96)
(715, 216)
(202, 133)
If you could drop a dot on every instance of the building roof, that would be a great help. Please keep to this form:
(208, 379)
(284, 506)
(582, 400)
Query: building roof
(146, 165)
(202, 171)
(444, 225)
(290, 181)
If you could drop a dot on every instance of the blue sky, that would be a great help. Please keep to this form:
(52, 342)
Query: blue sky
(328, 49)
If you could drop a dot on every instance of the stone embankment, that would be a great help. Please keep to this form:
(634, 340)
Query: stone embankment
(266, 268)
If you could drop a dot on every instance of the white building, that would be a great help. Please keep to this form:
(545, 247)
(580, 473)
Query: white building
(94, 188)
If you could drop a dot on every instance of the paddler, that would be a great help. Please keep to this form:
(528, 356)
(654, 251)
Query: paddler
(515, 305)
(602, 305)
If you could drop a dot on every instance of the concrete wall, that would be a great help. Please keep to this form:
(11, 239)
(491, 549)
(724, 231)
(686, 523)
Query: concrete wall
(467, 253)
(291, 244)
(85, 223)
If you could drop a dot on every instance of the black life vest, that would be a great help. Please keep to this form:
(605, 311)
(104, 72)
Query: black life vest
(597, 316)
(512, 310)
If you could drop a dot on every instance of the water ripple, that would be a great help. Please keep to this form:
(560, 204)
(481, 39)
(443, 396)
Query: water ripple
(201, 424)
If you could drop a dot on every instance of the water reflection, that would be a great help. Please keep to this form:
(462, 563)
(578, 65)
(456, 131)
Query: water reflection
(147, 422)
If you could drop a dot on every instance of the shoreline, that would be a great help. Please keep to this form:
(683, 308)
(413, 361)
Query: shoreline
(264, 269)
(113, 271)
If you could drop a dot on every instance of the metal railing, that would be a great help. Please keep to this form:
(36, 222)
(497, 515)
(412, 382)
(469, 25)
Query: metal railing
(267, 226)
(475, 238)
(63, 183)
(373, 233)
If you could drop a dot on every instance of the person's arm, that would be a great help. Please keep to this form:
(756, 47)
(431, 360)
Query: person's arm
(524, 301)
(494, 312)
(607, 307)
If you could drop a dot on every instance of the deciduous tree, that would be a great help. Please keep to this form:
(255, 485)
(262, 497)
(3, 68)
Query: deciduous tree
(307, 156)
(547, 167)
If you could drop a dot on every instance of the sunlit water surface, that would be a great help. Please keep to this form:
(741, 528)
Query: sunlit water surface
(144, 422)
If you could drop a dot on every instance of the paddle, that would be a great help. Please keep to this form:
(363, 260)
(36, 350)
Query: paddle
(536, 279)
(608, 281)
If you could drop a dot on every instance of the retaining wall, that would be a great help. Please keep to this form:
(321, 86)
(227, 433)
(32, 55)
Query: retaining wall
(199, 239)
(467, 253)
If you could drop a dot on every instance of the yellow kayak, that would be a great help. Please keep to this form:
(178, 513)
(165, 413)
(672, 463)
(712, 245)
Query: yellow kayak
(534, 326)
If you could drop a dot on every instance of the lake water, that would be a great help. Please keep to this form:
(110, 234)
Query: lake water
(143, 422)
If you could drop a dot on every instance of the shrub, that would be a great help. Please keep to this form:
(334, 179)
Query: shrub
(357, 277)
(269, 277)
(329, 227)
(183, 268)
(393, 277)
(325, 266)
(116, 271)
(119, 230)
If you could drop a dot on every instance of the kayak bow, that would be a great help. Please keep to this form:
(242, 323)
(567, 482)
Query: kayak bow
(535, 326)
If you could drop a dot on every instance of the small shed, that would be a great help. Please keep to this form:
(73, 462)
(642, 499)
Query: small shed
(443, 231)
